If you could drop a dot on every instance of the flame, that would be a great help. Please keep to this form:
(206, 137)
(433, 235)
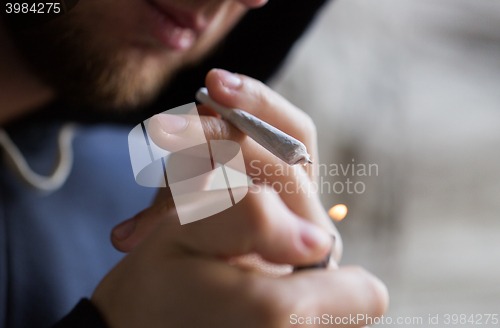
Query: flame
(338, 212)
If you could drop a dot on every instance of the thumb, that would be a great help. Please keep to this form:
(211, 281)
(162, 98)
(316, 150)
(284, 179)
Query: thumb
(128, 234)
(179, 132)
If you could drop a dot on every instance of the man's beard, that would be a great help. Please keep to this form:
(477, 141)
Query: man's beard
(85, 72)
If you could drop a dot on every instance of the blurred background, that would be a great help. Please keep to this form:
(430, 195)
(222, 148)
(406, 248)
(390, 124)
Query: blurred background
(414, 87)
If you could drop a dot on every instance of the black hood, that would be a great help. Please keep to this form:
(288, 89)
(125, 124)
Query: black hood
(256, 47)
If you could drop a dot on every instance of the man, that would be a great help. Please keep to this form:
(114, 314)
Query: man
(121, 61)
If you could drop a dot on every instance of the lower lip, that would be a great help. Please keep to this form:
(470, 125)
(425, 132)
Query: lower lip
(169, 33)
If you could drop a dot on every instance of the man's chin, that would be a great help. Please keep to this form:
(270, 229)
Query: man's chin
(118, 85)
(120, 100)
(86, 72)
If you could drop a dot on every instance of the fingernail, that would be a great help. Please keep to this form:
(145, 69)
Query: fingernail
(313, 236)
(172, 124)
(334, 239)
(321, 265)
(228, 79)
(328, 259)
(124, 229)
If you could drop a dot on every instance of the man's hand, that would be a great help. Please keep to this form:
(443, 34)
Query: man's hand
(238, 91)
(192, 276)
(182, 276)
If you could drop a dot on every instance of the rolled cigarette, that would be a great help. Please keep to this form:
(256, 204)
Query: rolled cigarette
(285, 147)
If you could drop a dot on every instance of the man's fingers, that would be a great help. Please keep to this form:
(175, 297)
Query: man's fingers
(260, 223)
(349, 290)
(127, 235)
(343, 294)
(292, 183)
(196, 130)
(258, 99)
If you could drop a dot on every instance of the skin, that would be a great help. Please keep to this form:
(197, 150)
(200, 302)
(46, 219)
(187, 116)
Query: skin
(121, 69)
(212, 256)
(229, 270)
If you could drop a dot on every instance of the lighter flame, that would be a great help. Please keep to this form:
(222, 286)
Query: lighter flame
(338, 212)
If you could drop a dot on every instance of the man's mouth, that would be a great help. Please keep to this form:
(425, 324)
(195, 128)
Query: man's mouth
(175, 29)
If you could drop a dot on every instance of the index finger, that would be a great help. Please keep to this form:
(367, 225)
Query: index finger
(254, 97)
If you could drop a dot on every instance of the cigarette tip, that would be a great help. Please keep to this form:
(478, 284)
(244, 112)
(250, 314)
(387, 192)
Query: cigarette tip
(305, 161)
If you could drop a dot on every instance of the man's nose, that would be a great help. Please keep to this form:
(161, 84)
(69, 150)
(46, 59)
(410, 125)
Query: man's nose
(211, 7)
(253, 3)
